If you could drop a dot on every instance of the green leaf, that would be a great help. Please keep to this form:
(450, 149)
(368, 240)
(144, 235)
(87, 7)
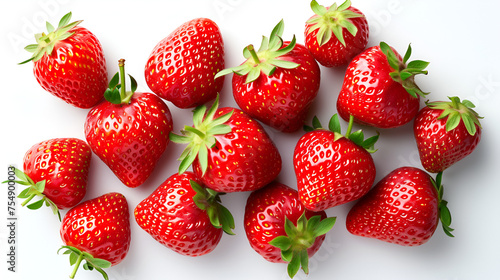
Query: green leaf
(453, 121)
(287, 255)
(264, 44)
(418, 64)
(64, 20)
(214, 218)
(31, 48)
(468, 104)
(21, 175)
(36, 205)
(113, 96)
(347, 24)
(294, 265)
(96, 262)
(180, 139)
(286, 49)
(277, 33)
(133, 83)
(227, 220)
(324, 226)
(316, 123)
(344, 5)
(469, 124)
(334, 124)
(73, 258)
(283, 64)
(282, 242)
(203, 158)
(337, 30)
(304, 261)
(407, 54)
(405, 75)
(253, 75)
(357, 137)
(313, 222)
(40, 186)
(24, 194)
(114, 81)
(317, 8)
(103, 273)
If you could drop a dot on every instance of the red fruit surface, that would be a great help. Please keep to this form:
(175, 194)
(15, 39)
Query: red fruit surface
(181, 67)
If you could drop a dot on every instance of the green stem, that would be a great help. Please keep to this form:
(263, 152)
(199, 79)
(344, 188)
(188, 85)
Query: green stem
(77, 265)
(349, 127)
(123, 92)
(28, 200)
(254, 54)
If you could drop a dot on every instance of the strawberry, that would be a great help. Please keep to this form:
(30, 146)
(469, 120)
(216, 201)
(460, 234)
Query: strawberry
(129, 130)
(69, 63)
(337, 50)
(184, 216)
(97, 231)
(229, 151)
(379, 88)
(55, 170)
(331, 168)
(404, 208)
(277, 84)
(446, 132)
(280, 229)
(182, 66)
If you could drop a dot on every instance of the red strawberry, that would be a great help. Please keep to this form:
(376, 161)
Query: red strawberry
(56, 171)
(181, 68)
(230, 151)
(446, 132)
(184, 216)
(69, 63)
(280, 229)
(97, 231)
(129, 131)
(403, 208)
(331, 168)
(277, 84)
(379, 88)
(337, 50)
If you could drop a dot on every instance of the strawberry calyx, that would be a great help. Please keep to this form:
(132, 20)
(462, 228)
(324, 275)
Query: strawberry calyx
(457, 111)
(34, 189)
(201, 136)
(405, 73)
(332, 20)
(209, 200)
(266, 59)
(76, 256)
(116, 92)
(298, 239)
(45, 42)
(444, 212)
(357, 137)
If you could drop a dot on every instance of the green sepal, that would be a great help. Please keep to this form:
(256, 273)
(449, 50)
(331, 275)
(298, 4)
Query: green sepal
(117, 93)
(457, 111)
(444, 211)
(76, 257)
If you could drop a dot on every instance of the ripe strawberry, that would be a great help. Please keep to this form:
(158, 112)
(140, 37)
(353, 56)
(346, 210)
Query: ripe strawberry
(281, 230)
(403, 208)
(69, 63)
(56, 171)
(276, 84)
(335, 51)
(379, 88)
(181, 68)
(446, 132)
(230, 151)
(184, 216)
(129, 130)
(97, 231)
(331, 168)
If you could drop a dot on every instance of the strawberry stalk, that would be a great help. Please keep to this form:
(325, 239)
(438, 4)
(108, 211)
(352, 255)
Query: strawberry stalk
(116, 92)
(76, 257)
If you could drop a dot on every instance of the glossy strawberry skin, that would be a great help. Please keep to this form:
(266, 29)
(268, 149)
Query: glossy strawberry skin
(401, 209)
(100, 227)
(333, 53)
(264, 219)
(372, 96)
(172, 218)
(245, 159)
(130, 138)
(283, 99)
(331, 171)
(181, 67)
(76, 69)
(437, 148)
(64, 165)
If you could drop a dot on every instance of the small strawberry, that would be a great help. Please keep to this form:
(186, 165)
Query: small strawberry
(379, 88)
(276, 84)
(129, 130)
(331, 168)
(184, 216)
(97, 231)
(181, 68)
(404, 208)
(446, 132)
(337, 50)
(280, 229)
(230, 151)
(69, 63)
(55, 170)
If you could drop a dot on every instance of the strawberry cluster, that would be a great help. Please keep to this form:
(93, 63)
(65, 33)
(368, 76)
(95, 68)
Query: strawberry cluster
(229, 150)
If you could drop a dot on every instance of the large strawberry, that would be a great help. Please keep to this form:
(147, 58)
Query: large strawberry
(97, 231)
(446, 132)
(230, 151)
(331, 168)
(276, 84)
(326, 38)
(181, 68)
(279, 228)
(55, 170)
(184, 216)
(69, 63)
(404, 208)
(129, 130)
(379, 88)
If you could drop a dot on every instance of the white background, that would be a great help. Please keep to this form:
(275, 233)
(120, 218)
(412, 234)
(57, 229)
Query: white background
(459, 38)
